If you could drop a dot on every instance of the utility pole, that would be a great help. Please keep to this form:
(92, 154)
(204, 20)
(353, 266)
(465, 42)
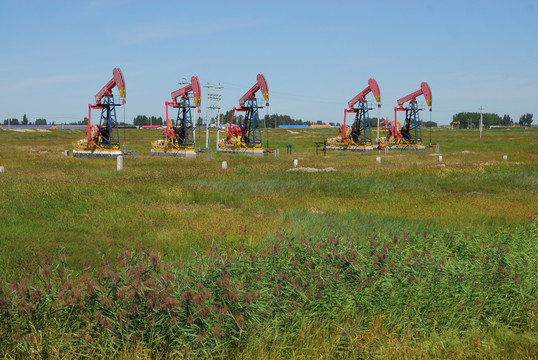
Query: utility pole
(211, 100)
(208, 86)
(218, 107)
(481, 108)
(265, 118)
(378, 115)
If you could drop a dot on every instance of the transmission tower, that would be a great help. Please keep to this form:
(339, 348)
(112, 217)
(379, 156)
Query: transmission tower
(213, 103)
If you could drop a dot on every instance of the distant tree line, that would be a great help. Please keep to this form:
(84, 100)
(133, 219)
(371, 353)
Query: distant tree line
(428, 124)
(12, 121)
(141, 120)
(268, 120)
(373, 122)
(82, 122)
(25, 121)
(467, 120)
(85, 122)
(275, 120)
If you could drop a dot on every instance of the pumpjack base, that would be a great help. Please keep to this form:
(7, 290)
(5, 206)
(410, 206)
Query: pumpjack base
(174, 153)
(403, 147)
(255, 151)
(351, 148)
(341, 145)
(82, 148)
(97, 153)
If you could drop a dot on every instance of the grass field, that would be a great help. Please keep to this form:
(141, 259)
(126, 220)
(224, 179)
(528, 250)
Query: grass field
(470, 219)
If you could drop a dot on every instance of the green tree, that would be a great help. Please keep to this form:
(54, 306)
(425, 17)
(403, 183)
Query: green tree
(155, 120)
(225, 118)
(525, 120)
(41, 122)
(429, 124)
(467, 119)
(472, 119)
(141, 120)
(85, 121)
(24, 120)
(506, 120)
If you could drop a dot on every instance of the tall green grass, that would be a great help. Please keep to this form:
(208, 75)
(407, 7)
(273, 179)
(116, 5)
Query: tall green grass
(241, 303)
(438, 247)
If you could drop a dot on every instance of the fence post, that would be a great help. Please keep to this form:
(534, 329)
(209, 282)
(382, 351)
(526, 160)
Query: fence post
(120, 163)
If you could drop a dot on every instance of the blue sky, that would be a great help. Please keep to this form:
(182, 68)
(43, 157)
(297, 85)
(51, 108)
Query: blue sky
(316, 55)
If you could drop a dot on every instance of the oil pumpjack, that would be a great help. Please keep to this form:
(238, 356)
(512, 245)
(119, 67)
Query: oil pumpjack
(179, 137)
(357, 137)
(247, 137)
(409, 137)
(103, 140)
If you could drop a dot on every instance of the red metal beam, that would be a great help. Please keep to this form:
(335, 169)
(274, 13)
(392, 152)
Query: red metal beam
(424, 90)
(194, 86)
(261, 84)
(117, 80)
(372, 87)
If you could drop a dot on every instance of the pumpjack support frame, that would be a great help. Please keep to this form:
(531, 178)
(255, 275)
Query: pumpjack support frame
(181, 144)
(179, 136)
(247, 137)
(105, 138)
(409, 137)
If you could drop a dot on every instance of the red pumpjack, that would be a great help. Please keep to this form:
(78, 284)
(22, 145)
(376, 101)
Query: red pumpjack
(408, 136)
(246, 137)
(179, 137)
(103, 140)
(358, 136)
